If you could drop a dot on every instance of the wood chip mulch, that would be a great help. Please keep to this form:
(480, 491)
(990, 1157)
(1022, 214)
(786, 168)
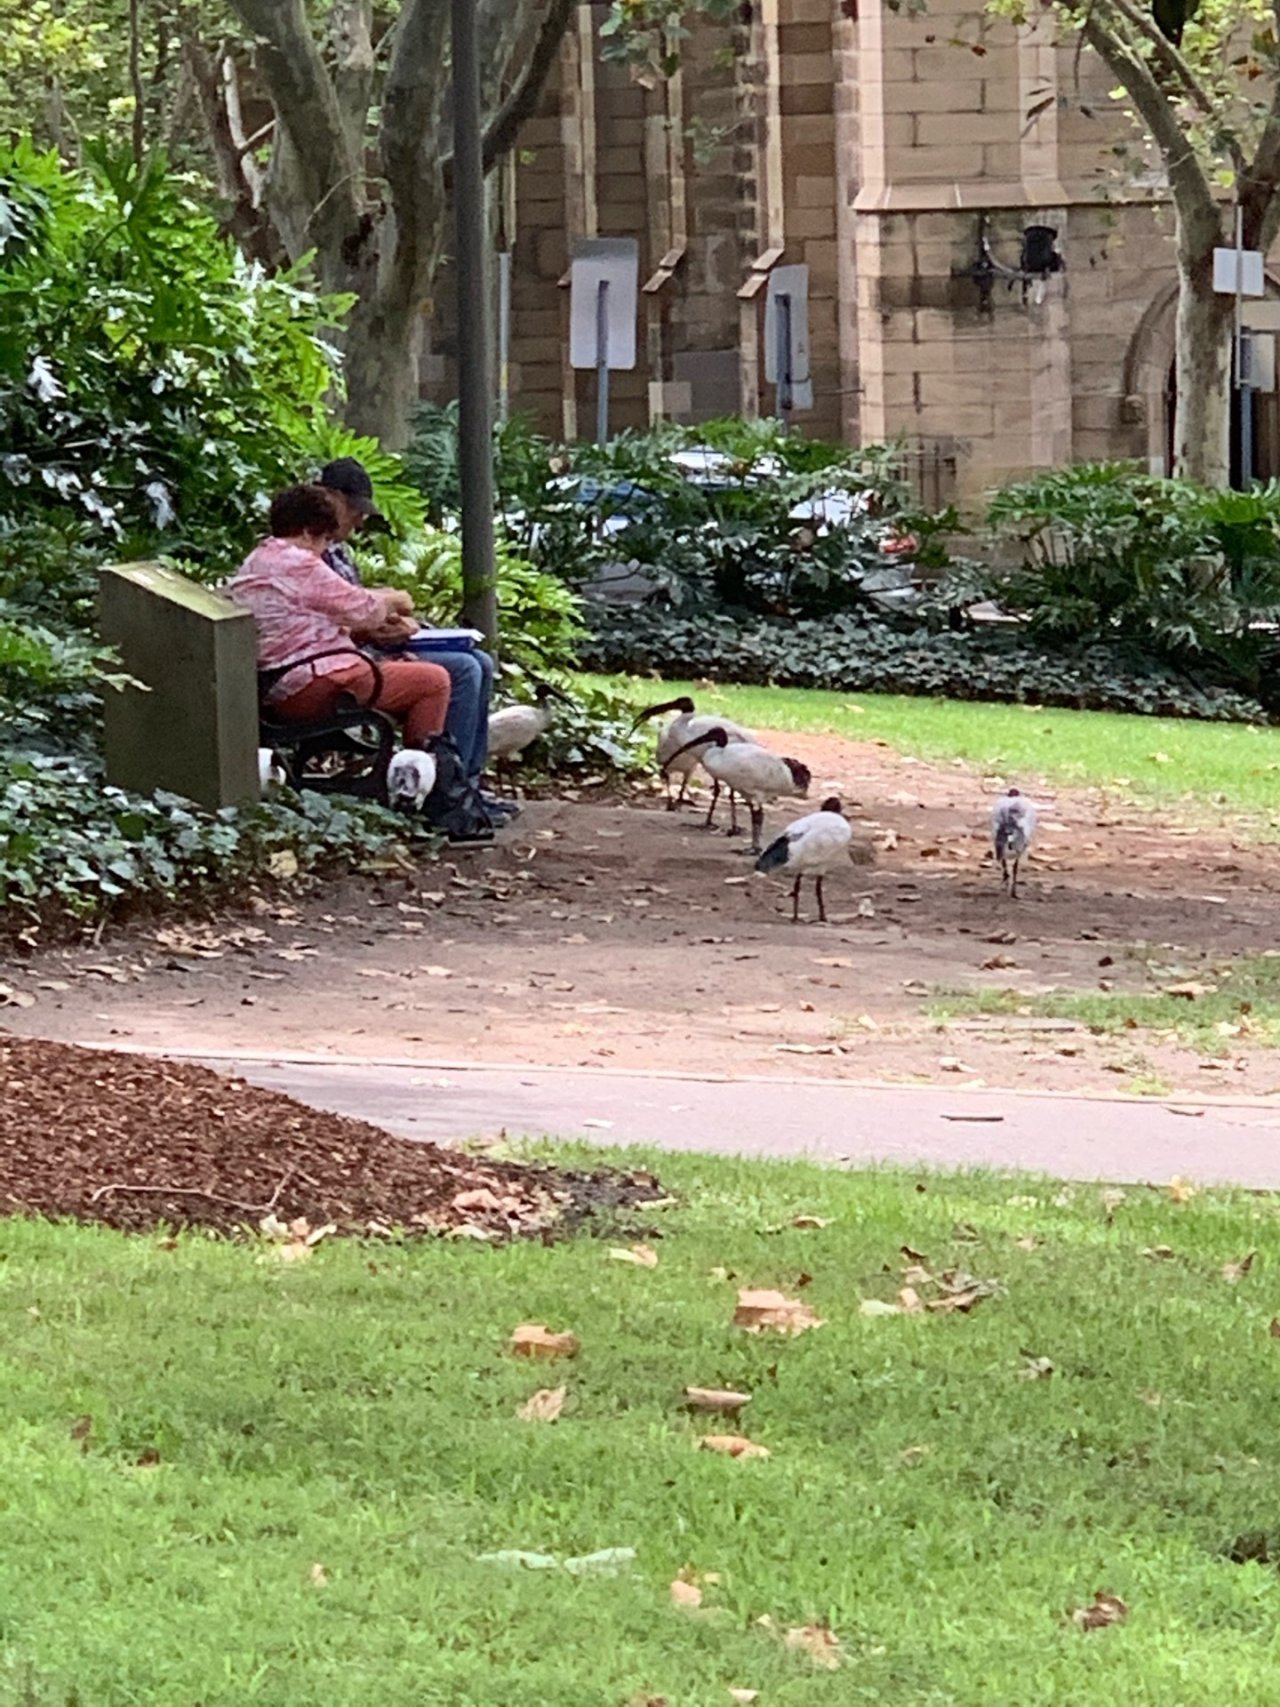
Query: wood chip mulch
(140, 1143)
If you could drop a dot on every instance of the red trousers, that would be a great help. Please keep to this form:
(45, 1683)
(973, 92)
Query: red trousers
(415, 694)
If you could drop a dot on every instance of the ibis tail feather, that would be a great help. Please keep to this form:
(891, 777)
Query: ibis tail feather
(774, 855)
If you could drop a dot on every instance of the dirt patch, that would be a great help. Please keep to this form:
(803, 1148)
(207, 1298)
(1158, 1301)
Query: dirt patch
(138, 1143)
(617, 935)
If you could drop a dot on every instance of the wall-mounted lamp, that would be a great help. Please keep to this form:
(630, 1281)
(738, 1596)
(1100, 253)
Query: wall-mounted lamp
(1037, 263)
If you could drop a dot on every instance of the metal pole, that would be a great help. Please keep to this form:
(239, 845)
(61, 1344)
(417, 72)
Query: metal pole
(785, 399)
(602, 362)
(1240, 362)
(475, 424)
(504, 335)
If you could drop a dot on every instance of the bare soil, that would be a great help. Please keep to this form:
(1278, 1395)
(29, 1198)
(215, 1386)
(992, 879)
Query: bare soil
(623, 936)
(138, 1143)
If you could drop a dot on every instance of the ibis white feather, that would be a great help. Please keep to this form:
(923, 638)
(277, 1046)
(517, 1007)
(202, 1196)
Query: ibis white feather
(516, 727)
(812, 846)
(687, 725)
(745, 768)
(1013, 829)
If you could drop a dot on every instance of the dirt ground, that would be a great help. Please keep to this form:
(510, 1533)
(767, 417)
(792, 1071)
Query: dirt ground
(621, 936)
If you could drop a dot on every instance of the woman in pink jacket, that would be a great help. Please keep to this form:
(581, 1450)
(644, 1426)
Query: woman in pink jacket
(302, 607)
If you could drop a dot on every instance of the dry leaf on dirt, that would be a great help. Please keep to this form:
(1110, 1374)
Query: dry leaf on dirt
(483, 1199)
(722, 1401)
(1000, 963)
(1181, 1190)
(760, 1311)
(818, 1642)
(11, 998)
(545, 1406)
(807, 1222)
(532, 1339)
(1234, 1271)
(1105, 1609)
(685, 1593)
(732, 1446)
(1190, 991)
(642, 1256)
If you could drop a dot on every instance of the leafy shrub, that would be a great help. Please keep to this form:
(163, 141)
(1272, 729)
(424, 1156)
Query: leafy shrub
(993, 663)
(70, 845)
(740, 537)
(540, 616)
(153, 385)
(1110, 551)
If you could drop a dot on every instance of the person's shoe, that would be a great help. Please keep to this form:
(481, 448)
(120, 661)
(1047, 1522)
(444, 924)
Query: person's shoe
(478, 833)
(503, 811)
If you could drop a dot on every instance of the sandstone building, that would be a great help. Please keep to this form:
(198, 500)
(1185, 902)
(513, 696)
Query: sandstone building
(874, 147)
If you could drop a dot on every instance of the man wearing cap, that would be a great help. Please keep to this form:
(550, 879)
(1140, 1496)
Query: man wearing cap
(470, 672)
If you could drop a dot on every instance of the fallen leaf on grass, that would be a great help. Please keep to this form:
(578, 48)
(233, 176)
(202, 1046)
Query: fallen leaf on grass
(1036, 1368)
(1234, 1271)
(744, 1696)
(532, 1339)
(723, 1401)
(641, 1256)
(1190, 991)
(81, 1429)
(293, 1241)
(545, 1406)
(1111, 1201)
(909, 1301)
(960, 1301)
(878, 1307)
(1181, 1190)
(685, 1593)
(1160, 1253)
(1105, 1609)
(821, 1644)
(807, 1222)
(914, 1456)
(318, 1575)
(770, 1312)
(1029, 1243)
(732, 1446)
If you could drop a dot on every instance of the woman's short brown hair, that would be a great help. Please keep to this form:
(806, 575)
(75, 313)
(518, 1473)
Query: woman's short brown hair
(303, 510)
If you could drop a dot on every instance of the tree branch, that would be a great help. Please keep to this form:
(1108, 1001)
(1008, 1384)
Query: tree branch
(351, 32)
(521, 103)
(329, 172)
(245, 219)
(1167, 54)
(1193, 196)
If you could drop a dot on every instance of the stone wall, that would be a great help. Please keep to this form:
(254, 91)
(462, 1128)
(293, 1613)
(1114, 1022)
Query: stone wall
(866, 144)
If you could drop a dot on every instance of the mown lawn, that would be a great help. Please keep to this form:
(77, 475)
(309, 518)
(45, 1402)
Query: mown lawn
(1207, 765)
(189, 1433)
(1214, 1009)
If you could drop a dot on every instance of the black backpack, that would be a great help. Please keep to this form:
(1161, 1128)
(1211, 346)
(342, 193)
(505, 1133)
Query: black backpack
(454, 804)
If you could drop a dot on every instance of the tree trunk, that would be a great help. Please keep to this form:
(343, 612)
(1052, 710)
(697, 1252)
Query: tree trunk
(381, 348)
(1202, 420)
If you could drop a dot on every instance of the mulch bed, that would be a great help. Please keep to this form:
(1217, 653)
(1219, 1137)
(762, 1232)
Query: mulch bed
(141, 1143)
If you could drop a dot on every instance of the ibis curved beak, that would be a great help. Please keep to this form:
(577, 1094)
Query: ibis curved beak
(654, 711)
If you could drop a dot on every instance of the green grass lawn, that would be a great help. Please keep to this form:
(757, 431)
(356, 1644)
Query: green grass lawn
(1224, 1006)
(927, 1495)
(1208, 765)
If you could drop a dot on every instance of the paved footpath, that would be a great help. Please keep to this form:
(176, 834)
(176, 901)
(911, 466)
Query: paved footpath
(1083, 1138)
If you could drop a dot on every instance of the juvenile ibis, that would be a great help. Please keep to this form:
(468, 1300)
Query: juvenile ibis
(749, 770)
(1013, 828)
(681, 729)
(811, 847)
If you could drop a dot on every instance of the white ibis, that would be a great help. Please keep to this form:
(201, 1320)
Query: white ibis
(516, 727)
(411, 776)
(681, 729)
(1013, 828)
(749, 770)
(810, 847)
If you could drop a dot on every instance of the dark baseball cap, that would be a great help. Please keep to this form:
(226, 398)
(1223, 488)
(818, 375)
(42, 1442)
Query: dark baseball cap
(350, 480)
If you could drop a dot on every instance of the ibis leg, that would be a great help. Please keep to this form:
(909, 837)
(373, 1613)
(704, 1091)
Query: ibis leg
(795, 902)
(757, 824)
(1013, 887)
(733, 829)
(711, 810)
(822, 911)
